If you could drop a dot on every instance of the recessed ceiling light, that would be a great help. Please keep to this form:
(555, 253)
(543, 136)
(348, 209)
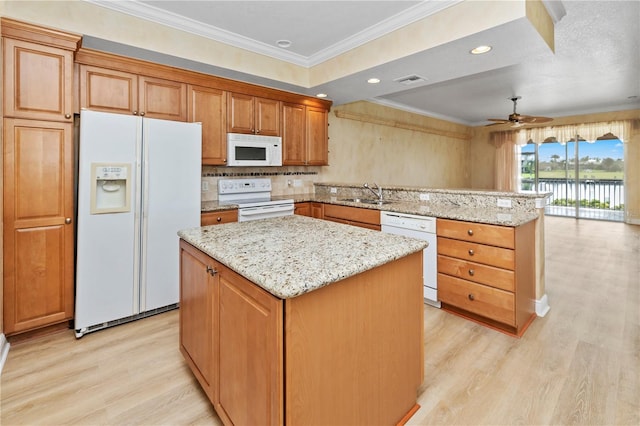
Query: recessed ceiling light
(321, 95)
(373, 80)
(283, 43)
(480, 50)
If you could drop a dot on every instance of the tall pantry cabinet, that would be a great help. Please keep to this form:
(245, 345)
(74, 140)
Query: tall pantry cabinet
(38, 161)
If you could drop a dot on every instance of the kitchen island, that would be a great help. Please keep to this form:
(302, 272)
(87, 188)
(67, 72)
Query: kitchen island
(294, 320)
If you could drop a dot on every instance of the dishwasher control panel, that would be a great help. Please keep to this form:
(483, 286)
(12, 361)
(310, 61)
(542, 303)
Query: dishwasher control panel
(408, 221)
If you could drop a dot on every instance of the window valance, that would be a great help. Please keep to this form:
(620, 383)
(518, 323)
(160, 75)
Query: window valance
(589, 132)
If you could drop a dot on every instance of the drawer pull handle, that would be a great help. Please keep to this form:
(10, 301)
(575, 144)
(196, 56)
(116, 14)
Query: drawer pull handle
(471, 252)
(470, 232)
(471, 297)
(471, 272)
(211, 271)
(219, 219)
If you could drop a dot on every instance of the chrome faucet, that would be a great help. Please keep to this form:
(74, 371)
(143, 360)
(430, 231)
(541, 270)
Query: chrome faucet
(377, 191)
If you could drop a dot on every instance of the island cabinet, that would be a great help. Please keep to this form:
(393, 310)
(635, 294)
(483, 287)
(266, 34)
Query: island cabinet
(486, 273)
(357, 216)
(110, 90)
(219, 217)
(253, 115)
(304, 135)
(209, 107)
(263, 360)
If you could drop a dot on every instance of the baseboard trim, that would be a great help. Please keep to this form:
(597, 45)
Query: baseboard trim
(542, 306)
(4, 350)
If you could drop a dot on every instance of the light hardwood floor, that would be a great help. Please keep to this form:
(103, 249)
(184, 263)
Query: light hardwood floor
(578, 365)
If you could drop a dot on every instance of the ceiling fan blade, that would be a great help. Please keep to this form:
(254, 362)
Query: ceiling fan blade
(497, 123)
(528, 119)
(499, 120)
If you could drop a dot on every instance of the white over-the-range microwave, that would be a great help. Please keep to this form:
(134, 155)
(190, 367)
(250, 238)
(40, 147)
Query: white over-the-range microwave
(253, 150)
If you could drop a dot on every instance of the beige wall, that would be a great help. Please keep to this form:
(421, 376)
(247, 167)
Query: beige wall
(362, 150)
(482, 154)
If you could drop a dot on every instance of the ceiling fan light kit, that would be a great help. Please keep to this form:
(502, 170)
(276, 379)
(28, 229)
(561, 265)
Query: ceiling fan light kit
(518, 120)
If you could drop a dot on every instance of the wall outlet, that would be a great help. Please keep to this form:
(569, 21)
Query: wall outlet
(424, 197)
(333, 190)
(502, 202)
(297, 183)
(205, 186)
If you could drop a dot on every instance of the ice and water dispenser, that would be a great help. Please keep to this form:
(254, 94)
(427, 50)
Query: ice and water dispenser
(110, 188)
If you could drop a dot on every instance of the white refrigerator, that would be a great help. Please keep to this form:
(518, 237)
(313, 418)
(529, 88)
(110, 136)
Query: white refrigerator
(138, 184)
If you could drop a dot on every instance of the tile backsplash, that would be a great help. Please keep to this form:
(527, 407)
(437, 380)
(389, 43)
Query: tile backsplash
(284, 180)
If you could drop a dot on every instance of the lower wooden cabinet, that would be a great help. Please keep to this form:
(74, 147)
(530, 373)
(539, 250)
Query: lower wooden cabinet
(219, 217)
(303, 209)
(364, 218)
(317, 210)
(486, 272)
(38, 260)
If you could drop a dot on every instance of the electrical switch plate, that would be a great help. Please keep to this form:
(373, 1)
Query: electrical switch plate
(205, 186)
(297, 182)
(424, 197)
(504, 203)
(333, 190)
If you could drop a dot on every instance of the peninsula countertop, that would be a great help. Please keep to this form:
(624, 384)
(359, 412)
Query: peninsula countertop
(292, 255)
(493, 216)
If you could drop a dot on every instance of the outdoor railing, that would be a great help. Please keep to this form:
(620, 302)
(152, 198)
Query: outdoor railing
(605, 194)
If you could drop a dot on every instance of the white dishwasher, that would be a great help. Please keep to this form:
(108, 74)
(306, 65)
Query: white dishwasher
(422, 228)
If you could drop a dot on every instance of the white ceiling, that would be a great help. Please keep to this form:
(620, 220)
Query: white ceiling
(595, 68)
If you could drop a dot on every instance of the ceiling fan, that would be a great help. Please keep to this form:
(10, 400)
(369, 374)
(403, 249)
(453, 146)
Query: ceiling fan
(518, 119)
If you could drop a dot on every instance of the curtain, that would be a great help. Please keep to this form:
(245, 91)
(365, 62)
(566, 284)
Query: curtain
(506, 170)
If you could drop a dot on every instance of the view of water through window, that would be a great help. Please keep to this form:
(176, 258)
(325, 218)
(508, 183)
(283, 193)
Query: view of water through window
(591, 187)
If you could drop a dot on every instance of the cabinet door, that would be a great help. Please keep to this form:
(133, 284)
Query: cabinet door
(162, 99)
(293, 135)
(197, 334)
(240, 113)
(108, 90)
(209, 106)
(250, 350)
(302, 209)
(267, 119)
(38, 230)
(317, 210)
(317, 137)
(38, 81)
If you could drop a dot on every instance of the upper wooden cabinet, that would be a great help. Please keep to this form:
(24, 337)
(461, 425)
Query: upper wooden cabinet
(104, 89)
(253, 115)
(38, 80)
(209, 107)
(304, 135)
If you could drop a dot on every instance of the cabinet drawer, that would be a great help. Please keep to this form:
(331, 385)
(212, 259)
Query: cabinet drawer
(501, 236)
(489, 302)
(218, 218)
(480, 253)
(476, 272)
(354, 214)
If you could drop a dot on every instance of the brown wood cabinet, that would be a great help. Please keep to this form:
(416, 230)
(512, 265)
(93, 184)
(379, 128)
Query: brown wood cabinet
(219, 217)
(365, 218)
(38, 229)
(104, 89)
(209, 106)
(38, 81)
(317, 210)
(486, 272)
(369, 344)
(253, 115)
(38, 168)
(303, 209)
(304, 135)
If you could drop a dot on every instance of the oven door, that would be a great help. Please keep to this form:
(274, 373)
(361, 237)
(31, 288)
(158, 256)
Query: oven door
(246, 214)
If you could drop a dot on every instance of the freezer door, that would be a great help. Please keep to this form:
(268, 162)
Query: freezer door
(106, 275)
(172, 153)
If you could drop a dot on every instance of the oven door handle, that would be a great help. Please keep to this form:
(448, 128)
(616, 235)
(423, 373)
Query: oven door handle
(252, 211)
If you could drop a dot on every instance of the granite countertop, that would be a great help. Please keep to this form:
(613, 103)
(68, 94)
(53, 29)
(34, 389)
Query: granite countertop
(495, 216)
(292, 255)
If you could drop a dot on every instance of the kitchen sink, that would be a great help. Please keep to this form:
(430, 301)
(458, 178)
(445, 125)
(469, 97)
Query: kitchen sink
(365, 201)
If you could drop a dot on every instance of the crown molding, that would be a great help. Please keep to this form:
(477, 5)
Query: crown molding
(169, 19)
